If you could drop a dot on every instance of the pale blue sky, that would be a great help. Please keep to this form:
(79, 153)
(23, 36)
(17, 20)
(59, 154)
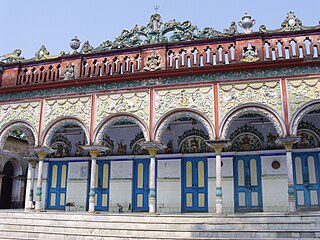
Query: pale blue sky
(29, 24)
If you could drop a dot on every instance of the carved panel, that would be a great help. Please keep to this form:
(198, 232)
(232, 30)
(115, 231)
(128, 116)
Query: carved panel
(27, 111)
(79, 107)
(301, 91)
(233, 95)
(200, 99)
(136, 103)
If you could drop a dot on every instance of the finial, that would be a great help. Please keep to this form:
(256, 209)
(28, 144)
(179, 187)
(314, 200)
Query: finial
(156, 7)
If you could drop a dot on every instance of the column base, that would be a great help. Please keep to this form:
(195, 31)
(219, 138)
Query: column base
(219, 209)
(292, 206)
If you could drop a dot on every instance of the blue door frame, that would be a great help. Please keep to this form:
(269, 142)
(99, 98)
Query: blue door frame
(306, 179)
(102, 185)
(247, 183)
(194, 184)
(140, 185)
(57, 184)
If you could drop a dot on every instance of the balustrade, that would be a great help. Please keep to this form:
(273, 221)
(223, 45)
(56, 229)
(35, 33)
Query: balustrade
(192, 54)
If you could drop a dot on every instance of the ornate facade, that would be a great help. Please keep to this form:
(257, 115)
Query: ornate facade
(166, 118)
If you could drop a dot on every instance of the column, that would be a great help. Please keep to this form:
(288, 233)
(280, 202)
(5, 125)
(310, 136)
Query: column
(94, 151)
(288, 142)
(92, 194)
(153, 148)
(30, 185)
(218, 145)
(41, 156)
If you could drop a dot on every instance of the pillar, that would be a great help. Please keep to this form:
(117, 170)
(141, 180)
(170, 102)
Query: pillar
(41, 156)
(153, 148)
(288, 142)
(152, 180)
(92, 194)
(30, 185)
(218, 145)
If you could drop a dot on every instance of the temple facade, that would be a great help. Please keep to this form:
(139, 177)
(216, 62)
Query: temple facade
(166, 118)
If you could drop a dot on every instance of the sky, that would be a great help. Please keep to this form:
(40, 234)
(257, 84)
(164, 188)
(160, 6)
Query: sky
(29, 24)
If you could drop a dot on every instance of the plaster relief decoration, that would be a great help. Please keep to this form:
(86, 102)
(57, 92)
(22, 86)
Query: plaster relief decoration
(200, 99)
(62, 146)
(136, 103)
(107, 142)
(233, 95)
(301, 91)
(153, 62)
(135, 145)
(79, 107)
(27, 111)
(309, 134)
(193, 141)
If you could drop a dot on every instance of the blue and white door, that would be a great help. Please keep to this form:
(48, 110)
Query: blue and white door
(247, 183)
(102, 185)
(306, 179)
(140, 188)
(57, 185)
(194, 185)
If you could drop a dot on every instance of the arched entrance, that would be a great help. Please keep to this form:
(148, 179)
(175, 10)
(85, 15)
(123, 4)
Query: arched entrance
(6, 187)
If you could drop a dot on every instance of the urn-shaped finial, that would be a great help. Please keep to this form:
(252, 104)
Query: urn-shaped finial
(75, 44)
(246, 23)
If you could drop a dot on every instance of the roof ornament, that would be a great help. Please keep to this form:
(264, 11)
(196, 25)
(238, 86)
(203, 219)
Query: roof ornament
(75, 44)
(247, 23)
(12, 57)
(250, 54)
(232, 30)
(44, 54)
(86, 48)
(290, 24)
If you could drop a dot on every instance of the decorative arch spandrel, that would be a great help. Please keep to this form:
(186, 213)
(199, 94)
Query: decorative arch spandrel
(78, 107)
(24, 111)
(136, 103)
(302, 91)
(235, 94)
(198, 98)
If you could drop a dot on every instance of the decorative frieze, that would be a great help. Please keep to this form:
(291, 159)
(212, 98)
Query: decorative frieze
(233, 95)
(136, 103)
(79, 107)
(200, 99)
(26, 111)
(301, 91)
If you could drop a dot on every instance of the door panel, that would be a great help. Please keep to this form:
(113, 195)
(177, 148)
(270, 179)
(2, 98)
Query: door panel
(57, 185)
(306, 179)
(140, 185)
(247, 183)
(102, 185)
(194, 185)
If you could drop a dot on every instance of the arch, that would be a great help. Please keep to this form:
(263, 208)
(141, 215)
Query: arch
(25, 127)
(114, 118)
(170, 116)
(58, 123)
(255, 108)
(300, 113)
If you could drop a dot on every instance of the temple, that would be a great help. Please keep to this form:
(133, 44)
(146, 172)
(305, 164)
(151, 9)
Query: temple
(165, 118)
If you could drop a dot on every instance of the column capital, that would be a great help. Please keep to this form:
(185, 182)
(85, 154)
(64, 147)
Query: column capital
(153, 147)
(288, 141)
(41, 152)
(32, 161)
(218, 144)
(94, 150)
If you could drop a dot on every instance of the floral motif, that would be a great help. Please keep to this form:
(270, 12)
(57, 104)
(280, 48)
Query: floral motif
(232, 95)
(27, 111)
(301, 91)
(200, 99)
(72, 107)
(136, 103)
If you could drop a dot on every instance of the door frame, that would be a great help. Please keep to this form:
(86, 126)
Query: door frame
(50, 165)
(304, 157)
(145, 190)
(246, 189)
(184, 191)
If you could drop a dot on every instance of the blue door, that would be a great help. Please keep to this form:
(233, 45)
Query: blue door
(102, 185)
(306, 179)
(247, 183)
(140, 188)
(57, 185)
(194, 185)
